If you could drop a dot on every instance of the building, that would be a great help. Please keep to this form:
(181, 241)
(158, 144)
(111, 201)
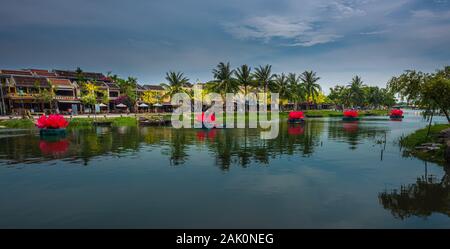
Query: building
(39, 90)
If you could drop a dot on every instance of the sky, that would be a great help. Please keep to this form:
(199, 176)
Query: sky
(338, 39)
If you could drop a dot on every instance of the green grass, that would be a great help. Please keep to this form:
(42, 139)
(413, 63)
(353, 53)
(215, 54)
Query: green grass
(18, 123)
(419, 137)
(88, 122)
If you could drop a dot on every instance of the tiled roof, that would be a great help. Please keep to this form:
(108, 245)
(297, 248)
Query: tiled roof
(74, 75)
(100, 84)
(153, 87)
(140, 88)
(112, 85)
(30, 81)
(61, 83)
(15, 72)
(43, 73)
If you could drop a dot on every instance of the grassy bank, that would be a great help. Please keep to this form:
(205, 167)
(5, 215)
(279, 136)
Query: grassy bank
(419, 137)
(18, 123)
(89, 122)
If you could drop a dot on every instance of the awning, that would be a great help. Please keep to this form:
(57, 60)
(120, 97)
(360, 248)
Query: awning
(102, 105)
(121, 105)
(143, 105)
(157, 105)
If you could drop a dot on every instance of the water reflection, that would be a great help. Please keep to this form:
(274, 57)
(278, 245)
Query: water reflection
(229, 146)
(427, 195)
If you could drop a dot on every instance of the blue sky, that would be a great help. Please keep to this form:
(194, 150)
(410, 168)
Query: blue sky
(338, 39)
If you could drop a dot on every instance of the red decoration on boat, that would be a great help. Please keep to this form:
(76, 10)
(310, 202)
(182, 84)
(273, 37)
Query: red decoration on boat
(396, 112)
(296, 130)
(351, 113)
(52, 148)
(296, 115)
(52, 121)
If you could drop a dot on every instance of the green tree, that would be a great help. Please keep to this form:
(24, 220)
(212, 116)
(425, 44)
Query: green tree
(309, 80)
(176, 83)
(408, 85)
(281, 85)
(263, 76)
(224, 82)
(45, 95)
(244, 77)
(436, 92)
(356, 92)
(298, 91)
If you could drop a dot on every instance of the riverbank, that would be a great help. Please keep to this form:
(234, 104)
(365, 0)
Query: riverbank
(428, 148)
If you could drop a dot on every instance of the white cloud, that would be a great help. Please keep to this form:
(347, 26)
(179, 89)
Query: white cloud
(269, 27)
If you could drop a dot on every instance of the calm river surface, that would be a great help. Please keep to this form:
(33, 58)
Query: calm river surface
(323, 174)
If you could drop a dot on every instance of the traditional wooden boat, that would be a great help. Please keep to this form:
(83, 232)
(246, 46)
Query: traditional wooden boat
(153, 121)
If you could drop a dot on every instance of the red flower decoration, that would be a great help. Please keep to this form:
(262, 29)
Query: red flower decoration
(53, 121)
(351, 113)
(296, 115)
(396, 112)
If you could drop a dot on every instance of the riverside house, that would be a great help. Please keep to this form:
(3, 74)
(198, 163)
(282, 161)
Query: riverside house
(19, 91)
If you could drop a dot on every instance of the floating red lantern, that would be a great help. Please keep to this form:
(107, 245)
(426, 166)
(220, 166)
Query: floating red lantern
(296, 115)
(350, 113)
(396, 112)
(52, 121)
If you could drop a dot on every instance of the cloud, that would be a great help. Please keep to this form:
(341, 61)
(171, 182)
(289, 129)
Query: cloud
(298, 32)
(431, 15)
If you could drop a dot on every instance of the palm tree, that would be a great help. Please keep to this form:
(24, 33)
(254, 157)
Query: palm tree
(312, 88)
(177, 82)
(244, 77)
(264, 76)
(223, 79)
(281, 85)
(298, 91)
(356, 92)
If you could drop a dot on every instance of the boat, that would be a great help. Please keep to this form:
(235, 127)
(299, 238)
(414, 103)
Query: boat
(396, 114)
(52, 132)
